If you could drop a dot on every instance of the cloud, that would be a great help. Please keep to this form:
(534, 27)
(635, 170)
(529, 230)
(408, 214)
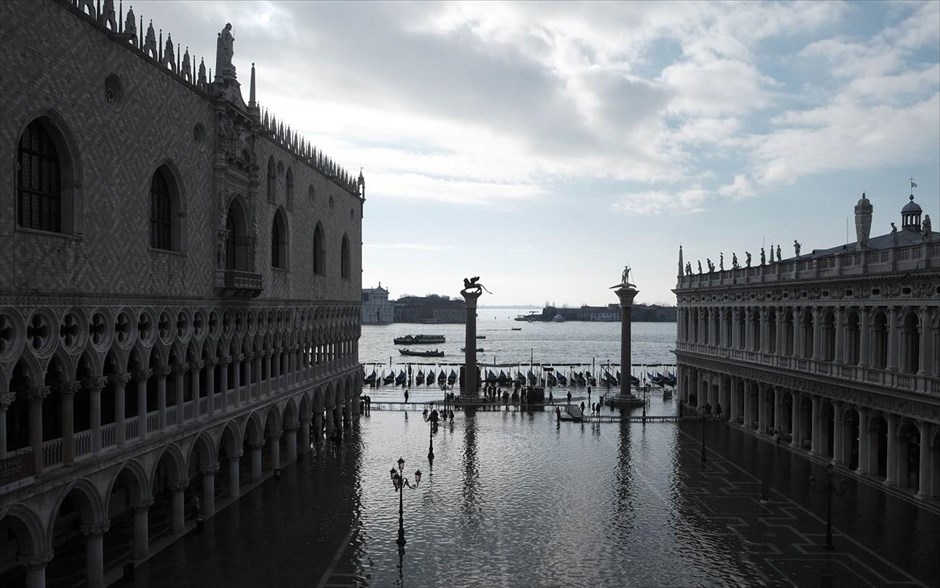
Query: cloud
(738, 189)
(658, 202)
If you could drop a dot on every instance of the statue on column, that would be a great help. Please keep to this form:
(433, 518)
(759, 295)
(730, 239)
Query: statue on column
(473, 286)
(796, 247)
(625, 277)
(224, 52)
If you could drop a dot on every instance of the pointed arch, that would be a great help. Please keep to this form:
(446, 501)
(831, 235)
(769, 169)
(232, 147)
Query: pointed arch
(280, 240)
(272, 180)
(237, 241)
(344, 263)
(319, 251)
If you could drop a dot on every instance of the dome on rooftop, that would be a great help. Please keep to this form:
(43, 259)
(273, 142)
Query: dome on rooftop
(911, 206)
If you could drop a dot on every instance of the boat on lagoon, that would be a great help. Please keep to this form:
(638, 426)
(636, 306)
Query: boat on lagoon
(419, 339)
(428, 353)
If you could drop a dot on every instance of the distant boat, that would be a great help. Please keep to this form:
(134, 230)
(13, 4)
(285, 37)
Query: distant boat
(400, 378)
(451, 378)
(479, 349)
(481, 336)
(389, 378)
(370, 379)
(532, 379)
(419, 339)
(502, 379)
(429, 379)
(428, 353)
(562, 380)
(441, 378)
(516, 329)
(419, 379)
(491, 377)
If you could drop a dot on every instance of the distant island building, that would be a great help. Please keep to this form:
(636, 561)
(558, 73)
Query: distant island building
(431, 309)
(835, 352)
(652, 313)
(376, 308)
(179, 290)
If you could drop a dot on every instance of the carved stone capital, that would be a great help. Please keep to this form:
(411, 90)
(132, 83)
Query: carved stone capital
(39, 393)
(292, 427)
(256, 444)
(162, 371)
(120, 379)
(96, 383)
(69, 388)
(181, 368)
(249, 356)
(236, 455)
(142, 505)
(6, 399)
(211, 363)
(143, 375)
(275, 435)
(198, 365)
(36, 561)
(210, 470)
(96, 529)
(179, 486)
(225, 360)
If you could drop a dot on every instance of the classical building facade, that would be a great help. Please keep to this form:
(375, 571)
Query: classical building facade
(836, 352)
(179, 290)
(377, 309)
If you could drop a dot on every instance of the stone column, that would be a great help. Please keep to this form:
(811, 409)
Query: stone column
(237, 377)
(891, 469)
(255, 448)
(141, 529)
(318, 425)
(276, 370)
(470, 383)
(735, 334)
(256, 373)
(892, 339)
(304, 435)
(35, 568)
(179, 372)
(817, 333)
(747, 405)
(267, 370)
(796, 418)
(924, 475)
(626, 293)
(210, 385)
(142, 376)
(68, 391)
(347, 412)
(338, 415)
(178, 515)
(797, 332)
(814, 442)
(208, 490)
(6, 399)
(864, 338)
(780, 345)
(291, 441)
(838, 441)
(196, 368)
(864, 416)
(161, 373)
(119, 381)
(234, 475)
(748, 331)
(275, 441)
(839, 355)
(734, 399)
(778, 410)
(764, 331)
(95, 386)
(329, 422)
(223, 382)
(926, 359)
(36, 396)
(251, 389)
(94, 553)
(762, 408)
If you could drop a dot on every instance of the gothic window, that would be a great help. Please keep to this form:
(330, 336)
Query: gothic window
(38, 181)
(344, 258)
(289, 190)
(160, 212)
(319, 253)
(272, 180)
(279, 241)
(237, 243)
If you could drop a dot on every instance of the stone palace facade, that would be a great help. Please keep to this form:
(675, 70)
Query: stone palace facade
(179, 290)
(836, 352)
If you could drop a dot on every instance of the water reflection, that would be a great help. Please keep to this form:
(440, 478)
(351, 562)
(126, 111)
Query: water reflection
(470, 510)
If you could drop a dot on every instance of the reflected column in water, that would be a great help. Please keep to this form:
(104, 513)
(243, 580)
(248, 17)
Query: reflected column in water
(471, 480)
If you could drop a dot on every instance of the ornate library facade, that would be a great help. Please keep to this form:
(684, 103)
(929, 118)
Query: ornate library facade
(179, 290)
(835, 352)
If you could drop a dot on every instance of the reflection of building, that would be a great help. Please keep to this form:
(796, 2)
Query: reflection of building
(376, 308)
(179, 290)
(835, 352)
(430, 309)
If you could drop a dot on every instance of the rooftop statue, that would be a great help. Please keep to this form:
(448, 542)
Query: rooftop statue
(224, 52)
(778, 252)
(796, 247)
(473, 286)
(700, 266)
(721, 261)
(747, 258)
(763, 257)
(928, 234)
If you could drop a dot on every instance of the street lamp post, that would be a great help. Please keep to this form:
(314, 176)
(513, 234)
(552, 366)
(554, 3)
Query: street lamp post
(399, 481)
(432, 420)
(833, 486)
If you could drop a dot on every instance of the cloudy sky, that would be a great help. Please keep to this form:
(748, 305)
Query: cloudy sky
(542, 146)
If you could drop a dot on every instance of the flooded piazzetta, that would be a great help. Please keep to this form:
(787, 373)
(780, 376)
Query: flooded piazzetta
(516, 498)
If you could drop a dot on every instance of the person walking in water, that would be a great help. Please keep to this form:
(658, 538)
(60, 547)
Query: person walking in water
(406, 395)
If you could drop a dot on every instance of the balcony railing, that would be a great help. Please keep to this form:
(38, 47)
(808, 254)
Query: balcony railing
(238, 284)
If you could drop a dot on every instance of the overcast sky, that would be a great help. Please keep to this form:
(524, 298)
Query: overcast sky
(544, 146)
